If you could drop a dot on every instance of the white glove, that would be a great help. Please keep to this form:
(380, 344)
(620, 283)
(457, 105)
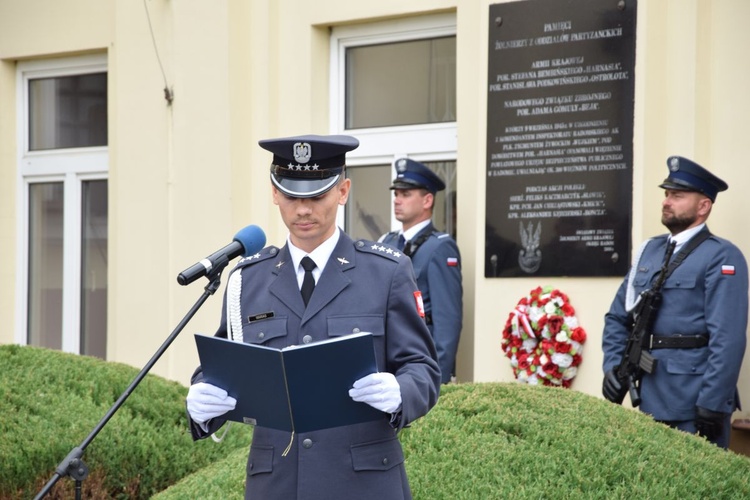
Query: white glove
(379, 390)
(206, 401)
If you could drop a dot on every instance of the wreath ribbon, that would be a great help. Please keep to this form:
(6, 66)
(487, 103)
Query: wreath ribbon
(519, 314)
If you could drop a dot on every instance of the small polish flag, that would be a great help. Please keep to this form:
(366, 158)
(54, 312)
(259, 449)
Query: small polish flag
(420, 303)
(452, 261)
(727, 269)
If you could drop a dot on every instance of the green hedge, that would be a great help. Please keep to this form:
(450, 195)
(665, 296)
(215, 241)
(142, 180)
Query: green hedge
(498, 441)
(482, 441)
(50, 402)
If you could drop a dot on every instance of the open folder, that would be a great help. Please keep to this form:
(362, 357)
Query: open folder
(299, 388)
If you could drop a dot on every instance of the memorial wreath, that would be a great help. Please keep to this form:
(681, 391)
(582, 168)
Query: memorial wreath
(543, 339)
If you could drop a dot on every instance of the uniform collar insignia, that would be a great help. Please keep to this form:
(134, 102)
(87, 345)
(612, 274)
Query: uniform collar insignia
(342, 260)
(281, 263)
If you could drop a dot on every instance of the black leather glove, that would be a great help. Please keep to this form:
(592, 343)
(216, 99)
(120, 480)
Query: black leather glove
(612, 389)
(709, 424)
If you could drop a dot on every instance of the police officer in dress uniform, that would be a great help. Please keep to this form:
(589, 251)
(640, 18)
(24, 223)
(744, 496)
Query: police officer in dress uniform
(698, 336)
(360, 286)
(434, 255)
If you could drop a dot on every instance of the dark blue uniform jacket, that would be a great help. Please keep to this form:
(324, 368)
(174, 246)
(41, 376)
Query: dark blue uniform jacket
(363, 287)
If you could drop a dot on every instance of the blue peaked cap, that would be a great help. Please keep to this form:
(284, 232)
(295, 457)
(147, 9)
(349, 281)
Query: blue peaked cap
(411, 174)
(306, 166)
(686, 175)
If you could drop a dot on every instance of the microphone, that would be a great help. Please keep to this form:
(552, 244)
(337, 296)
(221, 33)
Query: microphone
(246, 242)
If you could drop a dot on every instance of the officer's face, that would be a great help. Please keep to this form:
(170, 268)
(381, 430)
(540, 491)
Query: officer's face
(682, 210)
(311, 220)
(411, 206)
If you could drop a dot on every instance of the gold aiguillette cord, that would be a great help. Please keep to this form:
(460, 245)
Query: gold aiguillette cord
(289, 405)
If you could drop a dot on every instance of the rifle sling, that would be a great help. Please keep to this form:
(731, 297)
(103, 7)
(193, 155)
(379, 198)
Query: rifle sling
(412, 246)
(691, 245)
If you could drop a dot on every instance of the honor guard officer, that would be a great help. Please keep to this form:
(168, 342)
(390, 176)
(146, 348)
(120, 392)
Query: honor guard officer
(698, 336)
(434, 255)
(321, 284)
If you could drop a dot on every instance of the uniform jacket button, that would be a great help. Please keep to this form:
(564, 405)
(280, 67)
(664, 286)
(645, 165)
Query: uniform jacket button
(307, 443)
(385, 461)
(261, 335)
(356, 330)
(306, 339)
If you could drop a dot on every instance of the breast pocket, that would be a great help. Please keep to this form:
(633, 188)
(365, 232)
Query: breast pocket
(260, 332)
(642, 275)
(348, 324)
(679, 282)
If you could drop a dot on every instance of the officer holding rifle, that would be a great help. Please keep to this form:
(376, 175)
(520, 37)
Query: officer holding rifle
(682, 363)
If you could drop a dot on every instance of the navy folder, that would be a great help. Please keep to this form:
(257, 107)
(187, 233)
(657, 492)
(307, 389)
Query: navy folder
(298, 388)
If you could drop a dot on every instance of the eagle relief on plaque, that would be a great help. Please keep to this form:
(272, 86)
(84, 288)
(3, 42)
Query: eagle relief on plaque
(530, 255)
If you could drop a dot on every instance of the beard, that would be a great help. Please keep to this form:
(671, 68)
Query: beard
(677, 224)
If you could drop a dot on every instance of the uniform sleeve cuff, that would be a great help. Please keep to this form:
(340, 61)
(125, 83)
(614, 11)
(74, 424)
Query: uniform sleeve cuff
(395, 420)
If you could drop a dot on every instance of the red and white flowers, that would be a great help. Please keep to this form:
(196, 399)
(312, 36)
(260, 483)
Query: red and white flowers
(543, 340)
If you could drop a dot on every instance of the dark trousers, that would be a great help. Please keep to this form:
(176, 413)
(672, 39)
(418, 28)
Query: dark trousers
(689, 426)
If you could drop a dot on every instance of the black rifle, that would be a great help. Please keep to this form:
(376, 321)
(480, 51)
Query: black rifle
(636, 360)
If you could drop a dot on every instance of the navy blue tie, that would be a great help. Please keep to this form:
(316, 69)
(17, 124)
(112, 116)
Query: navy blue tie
(401, 242)
(671, 244)
(308, 283)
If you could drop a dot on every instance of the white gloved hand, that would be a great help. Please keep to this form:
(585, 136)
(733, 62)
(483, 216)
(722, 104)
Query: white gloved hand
(379, 390)
(206, 401)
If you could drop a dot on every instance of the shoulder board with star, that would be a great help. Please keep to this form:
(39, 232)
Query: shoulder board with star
(381, 249)
(266, 253)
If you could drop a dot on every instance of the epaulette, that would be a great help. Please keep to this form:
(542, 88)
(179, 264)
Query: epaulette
(376, 248)
(266, 253)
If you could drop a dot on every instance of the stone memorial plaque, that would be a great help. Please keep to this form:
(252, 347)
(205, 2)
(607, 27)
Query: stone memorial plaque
(560, 138)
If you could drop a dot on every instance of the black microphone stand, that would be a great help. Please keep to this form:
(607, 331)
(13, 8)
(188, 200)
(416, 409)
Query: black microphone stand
(73, 465)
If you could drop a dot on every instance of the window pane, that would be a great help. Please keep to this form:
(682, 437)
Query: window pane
(402, 83)
(368, 212)
(68, 112)
(94, 269)
(45, 265)
(444, 214)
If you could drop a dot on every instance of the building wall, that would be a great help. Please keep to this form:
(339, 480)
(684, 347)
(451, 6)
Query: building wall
(185, 177)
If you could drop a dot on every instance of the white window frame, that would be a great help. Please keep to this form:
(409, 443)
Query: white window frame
(384, 145)
(71, 166)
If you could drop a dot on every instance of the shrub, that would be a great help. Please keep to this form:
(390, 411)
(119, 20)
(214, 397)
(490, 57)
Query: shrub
(481, 441)
(498, 440)
(51, 401)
